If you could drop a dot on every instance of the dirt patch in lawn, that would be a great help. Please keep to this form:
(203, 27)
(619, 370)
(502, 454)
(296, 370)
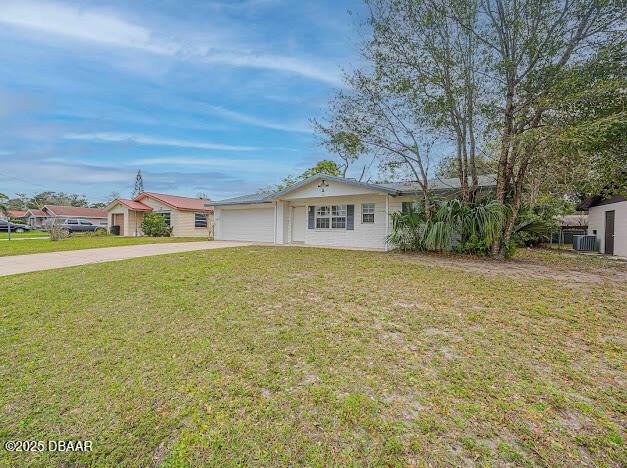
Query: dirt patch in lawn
(529, 265)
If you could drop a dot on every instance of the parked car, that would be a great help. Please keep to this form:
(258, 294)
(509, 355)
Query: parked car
(15, 227)
(81, 225)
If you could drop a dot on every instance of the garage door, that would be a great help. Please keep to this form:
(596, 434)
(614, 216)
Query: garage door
(248, 225)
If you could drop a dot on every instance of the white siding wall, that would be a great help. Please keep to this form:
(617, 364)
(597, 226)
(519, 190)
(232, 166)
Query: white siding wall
(334, 189)
(231, 220)
(596, 221)
(365, 235)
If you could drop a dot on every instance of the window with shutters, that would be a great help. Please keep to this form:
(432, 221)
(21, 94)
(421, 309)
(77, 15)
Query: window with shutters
(331, 217)
(367, 212)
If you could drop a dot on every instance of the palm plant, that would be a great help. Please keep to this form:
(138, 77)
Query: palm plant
(472, 228)
(408, 230)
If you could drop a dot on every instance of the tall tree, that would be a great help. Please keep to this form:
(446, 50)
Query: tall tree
(584, 131)
(426, 54)
(139, 184)
(322, 167)
(529, 43)
(375, 117)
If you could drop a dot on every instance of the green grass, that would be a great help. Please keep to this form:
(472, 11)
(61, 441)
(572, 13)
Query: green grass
(275, 356)
(15, 235)
(79, 243)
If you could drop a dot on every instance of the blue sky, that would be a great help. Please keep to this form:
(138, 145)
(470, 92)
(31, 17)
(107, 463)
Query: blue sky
(202, 96)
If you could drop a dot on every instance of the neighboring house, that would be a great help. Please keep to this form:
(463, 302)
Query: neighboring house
(189, 217)
(324, 210)
(607, 220)
(93, 215)
(18, 214)
(36, 218)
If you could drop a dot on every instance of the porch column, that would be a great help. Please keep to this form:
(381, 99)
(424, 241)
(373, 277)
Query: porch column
(278, 228)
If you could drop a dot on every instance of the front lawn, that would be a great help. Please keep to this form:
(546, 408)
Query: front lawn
(275, 356)
(15, 235)
(21, 247)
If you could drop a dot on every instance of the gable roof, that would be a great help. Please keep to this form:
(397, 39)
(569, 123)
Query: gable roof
(175, 201)
(133, 205)
(40, 213)
(342, 180)
(438, 185)
(74, 211)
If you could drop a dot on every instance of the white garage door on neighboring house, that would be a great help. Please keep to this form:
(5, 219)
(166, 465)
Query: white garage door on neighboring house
(253, 224)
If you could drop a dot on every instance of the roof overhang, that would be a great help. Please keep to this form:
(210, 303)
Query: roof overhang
(597, 200)
(341, 180)
(233, 203)
(133, 207)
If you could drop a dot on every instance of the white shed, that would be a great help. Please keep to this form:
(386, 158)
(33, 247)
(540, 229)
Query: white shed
(607, 220)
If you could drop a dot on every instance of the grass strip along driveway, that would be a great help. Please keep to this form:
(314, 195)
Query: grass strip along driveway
(79, 243)
(24, 235)
(269, 355)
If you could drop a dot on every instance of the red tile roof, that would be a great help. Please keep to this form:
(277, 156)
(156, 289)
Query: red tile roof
(181, 203)
(77, 211)
(17, 213)
(133, 205)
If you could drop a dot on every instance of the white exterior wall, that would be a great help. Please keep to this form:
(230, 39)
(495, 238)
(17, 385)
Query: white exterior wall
(364, 235)
(596, 222)
(245, 222)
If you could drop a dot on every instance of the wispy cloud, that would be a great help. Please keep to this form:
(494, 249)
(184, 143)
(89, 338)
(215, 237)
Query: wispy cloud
(257, 122)
(256, 165)
(148, 140)
(103, 27)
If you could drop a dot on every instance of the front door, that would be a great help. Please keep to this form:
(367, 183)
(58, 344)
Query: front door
(298, 224)
(609, 232)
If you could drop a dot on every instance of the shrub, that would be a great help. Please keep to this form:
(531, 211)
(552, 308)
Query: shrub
(55, 227)
(100, 232)
(473, 228)
(154, 225)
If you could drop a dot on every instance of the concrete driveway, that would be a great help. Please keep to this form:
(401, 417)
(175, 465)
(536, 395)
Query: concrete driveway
(15, 264)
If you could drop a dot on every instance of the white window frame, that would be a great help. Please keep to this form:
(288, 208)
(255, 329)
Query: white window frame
(368, 209)
(323, 212)
(332, 214)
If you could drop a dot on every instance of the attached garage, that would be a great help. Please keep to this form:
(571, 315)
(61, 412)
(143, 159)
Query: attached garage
(249, 224)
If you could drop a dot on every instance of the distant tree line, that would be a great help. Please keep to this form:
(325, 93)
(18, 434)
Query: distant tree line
(22, 201)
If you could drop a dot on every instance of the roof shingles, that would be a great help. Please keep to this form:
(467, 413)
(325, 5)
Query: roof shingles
(438, 185)
(75, 211)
